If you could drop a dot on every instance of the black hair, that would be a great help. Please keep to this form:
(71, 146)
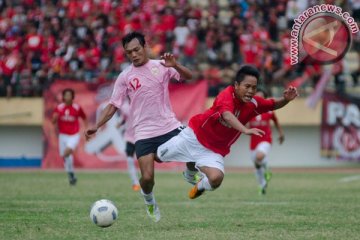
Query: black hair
(246, 70)
(130, 36)
(70, 90)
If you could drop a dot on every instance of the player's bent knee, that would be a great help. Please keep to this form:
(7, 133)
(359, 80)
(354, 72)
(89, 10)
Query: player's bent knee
(216, 180)
(260, 156)
(148, 177)
(67, 152)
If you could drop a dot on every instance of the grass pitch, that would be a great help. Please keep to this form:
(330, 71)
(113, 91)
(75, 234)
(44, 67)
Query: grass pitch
(41, 205)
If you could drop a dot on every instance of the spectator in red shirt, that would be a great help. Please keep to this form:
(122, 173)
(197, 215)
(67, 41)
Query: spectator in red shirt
(34, 40)
(210, 135)
(8, 66)
(119, 55)
(66, 118)
(57, 65)
(73, 9)
(13, 40)
(190, 49)
(92, 56)
(169, 20)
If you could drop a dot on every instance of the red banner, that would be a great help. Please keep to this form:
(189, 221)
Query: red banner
(340, 129)
(107, 148)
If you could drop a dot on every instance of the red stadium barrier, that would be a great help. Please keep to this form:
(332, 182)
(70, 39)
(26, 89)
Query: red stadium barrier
(106, 150)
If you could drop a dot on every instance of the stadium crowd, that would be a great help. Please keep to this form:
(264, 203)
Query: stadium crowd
(44, 40)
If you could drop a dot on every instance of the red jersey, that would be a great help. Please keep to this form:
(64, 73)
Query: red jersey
(68, 120)
(211, 129)
(262, 122)
(8, 65)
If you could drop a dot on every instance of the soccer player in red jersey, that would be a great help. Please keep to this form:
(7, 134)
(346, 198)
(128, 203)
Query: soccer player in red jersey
(260, 146)
(210, 135)
(66, 117)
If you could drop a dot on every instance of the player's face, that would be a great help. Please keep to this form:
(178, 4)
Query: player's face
(67, 98)
(246, 89)
(136, 53)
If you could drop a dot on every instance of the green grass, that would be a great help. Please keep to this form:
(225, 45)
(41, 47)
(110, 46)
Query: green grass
(41, 205)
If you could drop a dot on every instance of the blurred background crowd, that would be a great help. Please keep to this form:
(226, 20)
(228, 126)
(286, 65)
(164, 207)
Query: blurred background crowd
(44, 40)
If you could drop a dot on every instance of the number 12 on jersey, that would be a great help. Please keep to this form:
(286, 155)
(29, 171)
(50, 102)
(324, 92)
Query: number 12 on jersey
(135, 84)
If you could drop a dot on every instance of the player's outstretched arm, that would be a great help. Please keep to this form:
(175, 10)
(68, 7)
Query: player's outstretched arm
(54, 118)
(288, 95)
(86, 123)
(280, 131)
(84, 119)
(106, 114)
(170, 61)
(230, 119)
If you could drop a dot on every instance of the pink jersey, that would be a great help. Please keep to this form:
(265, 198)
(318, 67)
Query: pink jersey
(147, 88)
(129, 134)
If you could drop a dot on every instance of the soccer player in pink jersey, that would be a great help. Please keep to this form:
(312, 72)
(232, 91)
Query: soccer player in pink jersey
(145, 82)
(210, 135)
(129, 136)
(66, 117)
(260, 146)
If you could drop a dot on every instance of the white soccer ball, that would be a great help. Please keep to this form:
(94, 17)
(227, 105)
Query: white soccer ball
(103, 213)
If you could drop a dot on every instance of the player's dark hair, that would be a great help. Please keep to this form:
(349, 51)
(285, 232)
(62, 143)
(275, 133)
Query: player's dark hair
(130, 36)
(70, 90)
(246, 70)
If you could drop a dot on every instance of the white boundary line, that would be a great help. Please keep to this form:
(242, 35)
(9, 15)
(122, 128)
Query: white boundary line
(263, 203)
(350, 179)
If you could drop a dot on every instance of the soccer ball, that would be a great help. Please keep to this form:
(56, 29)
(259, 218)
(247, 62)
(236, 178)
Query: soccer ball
(103, 213)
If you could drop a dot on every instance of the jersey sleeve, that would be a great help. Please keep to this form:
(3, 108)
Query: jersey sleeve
(264, 105)
(224, 102)
(119, 91)
(82, 113)
(173, 74)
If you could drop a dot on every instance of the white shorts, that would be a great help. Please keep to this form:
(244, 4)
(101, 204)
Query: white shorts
(186, 148)
(263, 147)
(68, 141)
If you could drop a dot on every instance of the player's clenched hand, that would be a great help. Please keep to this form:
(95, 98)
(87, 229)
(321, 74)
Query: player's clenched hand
(255, 131)
(170, 60)
(89, 133)
(281, 139)
(290, 93)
